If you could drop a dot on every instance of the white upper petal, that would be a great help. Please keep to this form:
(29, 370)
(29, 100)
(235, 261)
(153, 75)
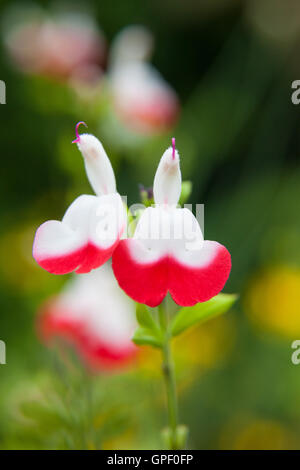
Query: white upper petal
(78, 214)
(167, 180)
(97, 219)
(97, 165)
(108, 220)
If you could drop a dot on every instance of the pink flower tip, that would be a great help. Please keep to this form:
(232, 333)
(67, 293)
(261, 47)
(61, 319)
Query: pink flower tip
(173, 147)
(76, 132)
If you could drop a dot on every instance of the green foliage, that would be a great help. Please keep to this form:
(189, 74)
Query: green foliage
(186, 189)
(145, 317)
(66, 409)
(149, 332)
(147, 337)
(152, 333)
(189, 316)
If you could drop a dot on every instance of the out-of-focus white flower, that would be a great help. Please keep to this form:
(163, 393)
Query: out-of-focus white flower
(94, 315)
(72, 48)
(144, 101)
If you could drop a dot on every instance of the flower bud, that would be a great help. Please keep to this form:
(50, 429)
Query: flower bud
(167, 181)
(97, 164)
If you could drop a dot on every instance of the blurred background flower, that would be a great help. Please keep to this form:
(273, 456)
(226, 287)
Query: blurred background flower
(142, 98)
(218, 76)
(59, 45)
(94, 315)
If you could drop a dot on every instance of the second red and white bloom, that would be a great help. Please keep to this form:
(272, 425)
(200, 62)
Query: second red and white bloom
(167, 252)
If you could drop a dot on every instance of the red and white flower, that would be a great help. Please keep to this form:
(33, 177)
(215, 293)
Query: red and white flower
(93, 314)
(92, 225)
(144, 101)
(167, 252)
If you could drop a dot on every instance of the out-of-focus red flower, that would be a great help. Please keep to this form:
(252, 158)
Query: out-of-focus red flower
(143, 100)
(56, 47)
(95, 316)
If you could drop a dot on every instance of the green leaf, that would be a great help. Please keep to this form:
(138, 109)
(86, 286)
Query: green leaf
(186, 189)
(145, 318)
(145, 336)
(189, 316)
(37, 412)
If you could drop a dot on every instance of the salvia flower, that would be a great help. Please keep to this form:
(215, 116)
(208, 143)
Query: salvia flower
(94, 315)
(167, 252)
(143, 100)
(92, 225)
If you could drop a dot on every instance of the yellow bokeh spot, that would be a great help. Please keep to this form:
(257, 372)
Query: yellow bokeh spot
(207, 344)
(273, 300)
(256, 434)
(123, 441)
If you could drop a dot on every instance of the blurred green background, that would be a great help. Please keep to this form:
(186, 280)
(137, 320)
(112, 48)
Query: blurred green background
(231, 63)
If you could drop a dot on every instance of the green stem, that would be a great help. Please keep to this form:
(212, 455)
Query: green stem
(169, 378)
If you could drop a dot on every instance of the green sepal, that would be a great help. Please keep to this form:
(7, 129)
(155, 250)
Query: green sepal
(147, 337)
(145, 318)
(149, 331)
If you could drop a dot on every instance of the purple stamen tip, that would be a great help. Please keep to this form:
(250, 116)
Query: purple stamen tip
(76, 132)
(173, 147)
